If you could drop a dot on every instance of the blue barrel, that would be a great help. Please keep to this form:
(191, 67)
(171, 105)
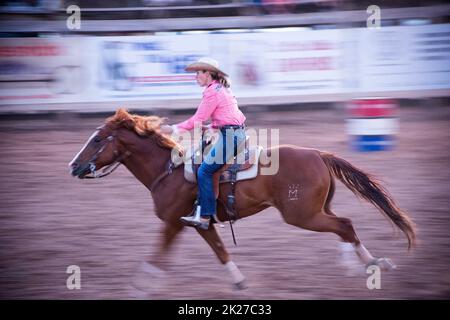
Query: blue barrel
(372, 124)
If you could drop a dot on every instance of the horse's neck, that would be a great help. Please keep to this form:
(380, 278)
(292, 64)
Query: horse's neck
(146, 164)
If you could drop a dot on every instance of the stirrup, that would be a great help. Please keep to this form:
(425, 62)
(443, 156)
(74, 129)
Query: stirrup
(197, 223)
(196, 212)
(194, 220)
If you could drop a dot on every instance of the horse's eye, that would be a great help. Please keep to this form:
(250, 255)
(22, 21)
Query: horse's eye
(97, 139)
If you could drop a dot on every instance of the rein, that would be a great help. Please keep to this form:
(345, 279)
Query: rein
(112, 167)
(118, 161)
(169, 170)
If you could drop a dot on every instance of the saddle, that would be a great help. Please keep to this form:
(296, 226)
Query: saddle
(243, 166)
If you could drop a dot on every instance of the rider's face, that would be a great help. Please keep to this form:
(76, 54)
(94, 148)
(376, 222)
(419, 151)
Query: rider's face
(203, 78)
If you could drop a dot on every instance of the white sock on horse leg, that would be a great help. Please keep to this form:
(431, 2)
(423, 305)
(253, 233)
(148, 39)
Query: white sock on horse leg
(150, 280)
(349, 259)
(347, 247)
(236, 275)
(363, 253)
(348, 254)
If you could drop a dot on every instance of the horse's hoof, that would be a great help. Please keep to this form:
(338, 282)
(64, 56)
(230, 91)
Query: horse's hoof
(136, 293)
(150, 269)
(240, 285)
(385, 264)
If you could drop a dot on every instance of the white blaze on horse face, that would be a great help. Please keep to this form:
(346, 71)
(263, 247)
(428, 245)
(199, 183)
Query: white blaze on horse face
(84, 147)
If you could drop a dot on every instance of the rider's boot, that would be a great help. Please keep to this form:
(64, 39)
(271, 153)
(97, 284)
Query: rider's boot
(198, 221)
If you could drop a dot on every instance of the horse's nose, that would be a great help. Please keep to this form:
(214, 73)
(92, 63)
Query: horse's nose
(73, 166)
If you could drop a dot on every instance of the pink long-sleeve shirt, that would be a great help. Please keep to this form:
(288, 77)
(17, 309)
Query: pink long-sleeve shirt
(219, 104)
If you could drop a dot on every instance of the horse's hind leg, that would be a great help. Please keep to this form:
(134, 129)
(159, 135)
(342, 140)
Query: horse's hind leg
(212, 238)
(343, 227)
(329, 222)
(348, 249)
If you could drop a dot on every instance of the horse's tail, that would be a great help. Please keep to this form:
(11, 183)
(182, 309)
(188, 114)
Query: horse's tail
(367, 187)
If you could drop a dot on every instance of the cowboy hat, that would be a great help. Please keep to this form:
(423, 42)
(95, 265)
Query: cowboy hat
(207, 64)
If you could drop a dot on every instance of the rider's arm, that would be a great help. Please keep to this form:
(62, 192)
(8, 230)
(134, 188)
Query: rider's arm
(203, 113)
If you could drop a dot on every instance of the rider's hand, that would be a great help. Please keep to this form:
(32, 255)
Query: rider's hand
(208, 132)
(207, 127)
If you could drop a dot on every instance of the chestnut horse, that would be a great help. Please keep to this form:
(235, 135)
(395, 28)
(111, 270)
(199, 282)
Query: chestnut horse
(136, 142)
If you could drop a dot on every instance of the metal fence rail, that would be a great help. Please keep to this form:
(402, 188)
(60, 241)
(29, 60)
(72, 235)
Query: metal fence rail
(337, 18)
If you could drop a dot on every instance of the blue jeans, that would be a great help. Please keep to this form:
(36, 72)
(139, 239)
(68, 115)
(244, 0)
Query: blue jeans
(225, 148)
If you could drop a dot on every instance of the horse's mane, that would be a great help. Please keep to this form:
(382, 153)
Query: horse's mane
(144, 126)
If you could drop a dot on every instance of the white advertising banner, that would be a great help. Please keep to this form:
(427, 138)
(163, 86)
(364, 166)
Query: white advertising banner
(36, 70)
(147, 67)
(404, 58)
(262, 63)
(98, 69)
(291, 62)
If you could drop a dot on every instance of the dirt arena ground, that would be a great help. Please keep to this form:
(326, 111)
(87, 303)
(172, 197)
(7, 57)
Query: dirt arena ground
(49, 220)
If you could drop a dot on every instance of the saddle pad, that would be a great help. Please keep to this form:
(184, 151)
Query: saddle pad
(249, 173)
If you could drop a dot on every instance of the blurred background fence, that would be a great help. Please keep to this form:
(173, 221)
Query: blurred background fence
(275, 52)
(57, 84)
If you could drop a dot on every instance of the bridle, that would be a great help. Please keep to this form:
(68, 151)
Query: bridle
(117, 162)
(110, 168)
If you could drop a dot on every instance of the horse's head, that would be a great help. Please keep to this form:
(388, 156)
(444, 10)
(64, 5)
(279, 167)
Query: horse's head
(121, 134)
(101, 149)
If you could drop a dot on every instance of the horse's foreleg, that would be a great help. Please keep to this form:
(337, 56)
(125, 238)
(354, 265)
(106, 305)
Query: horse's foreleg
(151, 277)
(158, 260)
(212, 238)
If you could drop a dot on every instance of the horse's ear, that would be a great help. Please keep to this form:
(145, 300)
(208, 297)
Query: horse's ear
(121, 113)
